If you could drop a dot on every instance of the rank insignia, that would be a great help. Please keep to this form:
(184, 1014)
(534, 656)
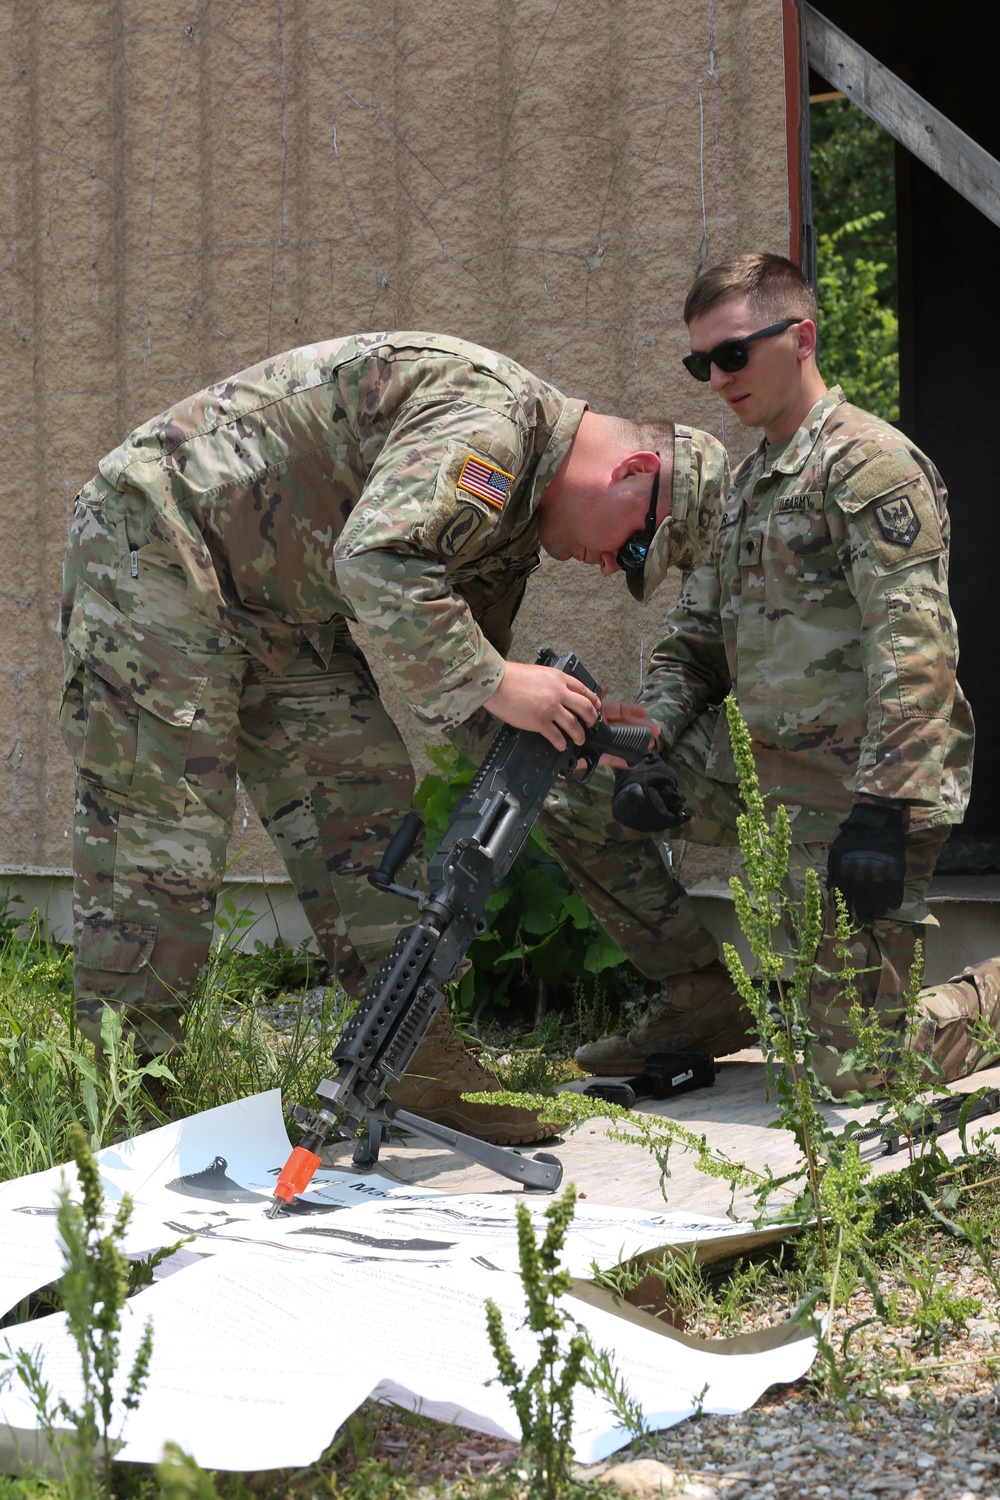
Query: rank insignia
(485, 480)
(898, 520)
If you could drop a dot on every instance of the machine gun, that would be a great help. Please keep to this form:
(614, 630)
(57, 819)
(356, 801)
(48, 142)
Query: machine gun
(486, 831)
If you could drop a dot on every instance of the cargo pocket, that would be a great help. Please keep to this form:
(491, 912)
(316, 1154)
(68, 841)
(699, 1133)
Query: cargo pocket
(111, 964)
(129, 701)
(110, 946)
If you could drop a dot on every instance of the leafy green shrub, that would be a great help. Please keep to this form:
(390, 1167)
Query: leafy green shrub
(852, 170)
(540, 930)
(859, 336)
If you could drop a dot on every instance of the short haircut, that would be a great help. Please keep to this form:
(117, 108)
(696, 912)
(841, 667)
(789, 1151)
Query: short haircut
(774, 287)
(642, 436)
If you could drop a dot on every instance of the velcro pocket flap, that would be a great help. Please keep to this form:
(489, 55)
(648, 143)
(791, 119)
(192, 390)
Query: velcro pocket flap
(117, 947)
(138, 664)
(877, 476)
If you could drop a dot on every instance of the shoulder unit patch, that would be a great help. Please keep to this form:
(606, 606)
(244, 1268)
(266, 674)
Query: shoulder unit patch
(485, 480)
(898, 520)
(460, 529)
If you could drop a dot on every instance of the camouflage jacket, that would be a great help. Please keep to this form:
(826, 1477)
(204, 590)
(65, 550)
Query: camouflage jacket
(825, 609)
(391, 478)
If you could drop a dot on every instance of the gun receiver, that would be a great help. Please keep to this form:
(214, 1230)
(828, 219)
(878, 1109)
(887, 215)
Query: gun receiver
(487, 829)
(938, 1118)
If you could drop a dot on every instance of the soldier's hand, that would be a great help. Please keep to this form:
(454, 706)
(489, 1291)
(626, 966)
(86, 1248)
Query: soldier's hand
(548, 702)
(617, 712)
(867, 860)
(647, 797)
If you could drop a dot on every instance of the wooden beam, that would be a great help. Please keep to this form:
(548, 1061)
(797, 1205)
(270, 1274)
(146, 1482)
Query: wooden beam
(801, 237)
(909, 119)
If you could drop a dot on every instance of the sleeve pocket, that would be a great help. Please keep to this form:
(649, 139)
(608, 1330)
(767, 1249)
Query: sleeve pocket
(924, 651)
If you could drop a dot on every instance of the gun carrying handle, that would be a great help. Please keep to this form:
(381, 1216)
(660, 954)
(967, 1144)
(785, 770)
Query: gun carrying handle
(400, 848)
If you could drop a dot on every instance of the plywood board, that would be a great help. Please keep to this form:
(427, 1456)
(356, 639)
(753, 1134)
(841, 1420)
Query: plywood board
(734, 1116)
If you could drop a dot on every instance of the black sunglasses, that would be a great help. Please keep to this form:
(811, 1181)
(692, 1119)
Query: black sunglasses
(732, 354)
(632, 556)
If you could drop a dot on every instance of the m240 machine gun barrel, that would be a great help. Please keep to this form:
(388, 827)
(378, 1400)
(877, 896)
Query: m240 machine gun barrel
(488, 827)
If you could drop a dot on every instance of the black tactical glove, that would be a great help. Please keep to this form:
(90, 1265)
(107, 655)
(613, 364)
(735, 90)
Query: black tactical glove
(867, 860)
(646, 796)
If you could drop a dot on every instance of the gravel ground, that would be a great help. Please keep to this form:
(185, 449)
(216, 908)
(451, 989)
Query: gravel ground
(305, 1007)
(934, 1435)
(932, 1432)
(790, 1448)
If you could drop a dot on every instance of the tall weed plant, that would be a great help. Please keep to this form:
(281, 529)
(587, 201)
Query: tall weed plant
(93, 1289)
(543, 1393)
(783, 932)
(834, 1188)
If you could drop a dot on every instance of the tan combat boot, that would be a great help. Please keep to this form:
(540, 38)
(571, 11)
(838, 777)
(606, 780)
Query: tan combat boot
(697, 1012)
(441, 1070)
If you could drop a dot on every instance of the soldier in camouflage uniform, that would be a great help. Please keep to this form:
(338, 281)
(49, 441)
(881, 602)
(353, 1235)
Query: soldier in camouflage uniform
(404, 481)
(825, 609)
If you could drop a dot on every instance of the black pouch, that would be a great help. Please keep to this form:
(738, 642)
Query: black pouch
(666, 1073)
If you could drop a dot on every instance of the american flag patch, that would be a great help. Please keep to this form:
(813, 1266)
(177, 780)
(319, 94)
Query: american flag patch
(482, 479)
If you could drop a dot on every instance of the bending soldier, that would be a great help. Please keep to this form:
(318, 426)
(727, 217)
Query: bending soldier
(402, 480)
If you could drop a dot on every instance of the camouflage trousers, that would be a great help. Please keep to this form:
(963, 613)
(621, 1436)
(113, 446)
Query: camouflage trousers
(627, 883)
(169, 721)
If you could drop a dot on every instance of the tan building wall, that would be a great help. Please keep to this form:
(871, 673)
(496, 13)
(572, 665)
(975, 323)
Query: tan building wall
(192, 186)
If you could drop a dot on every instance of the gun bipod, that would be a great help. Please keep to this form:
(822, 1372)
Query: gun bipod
(540, 1173)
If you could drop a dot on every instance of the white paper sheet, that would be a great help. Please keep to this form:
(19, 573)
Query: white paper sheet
(273, 1331)
(211, 1176)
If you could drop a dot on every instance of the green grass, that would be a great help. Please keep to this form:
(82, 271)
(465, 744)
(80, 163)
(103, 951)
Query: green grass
(48, 1077)
(232, 1049)
(41, 1084)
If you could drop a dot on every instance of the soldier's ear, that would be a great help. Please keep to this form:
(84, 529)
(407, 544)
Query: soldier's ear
(643, 462)
(805, 333)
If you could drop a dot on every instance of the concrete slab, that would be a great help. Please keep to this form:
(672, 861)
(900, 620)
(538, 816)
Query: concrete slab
(967, 909)
(733, 1115)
